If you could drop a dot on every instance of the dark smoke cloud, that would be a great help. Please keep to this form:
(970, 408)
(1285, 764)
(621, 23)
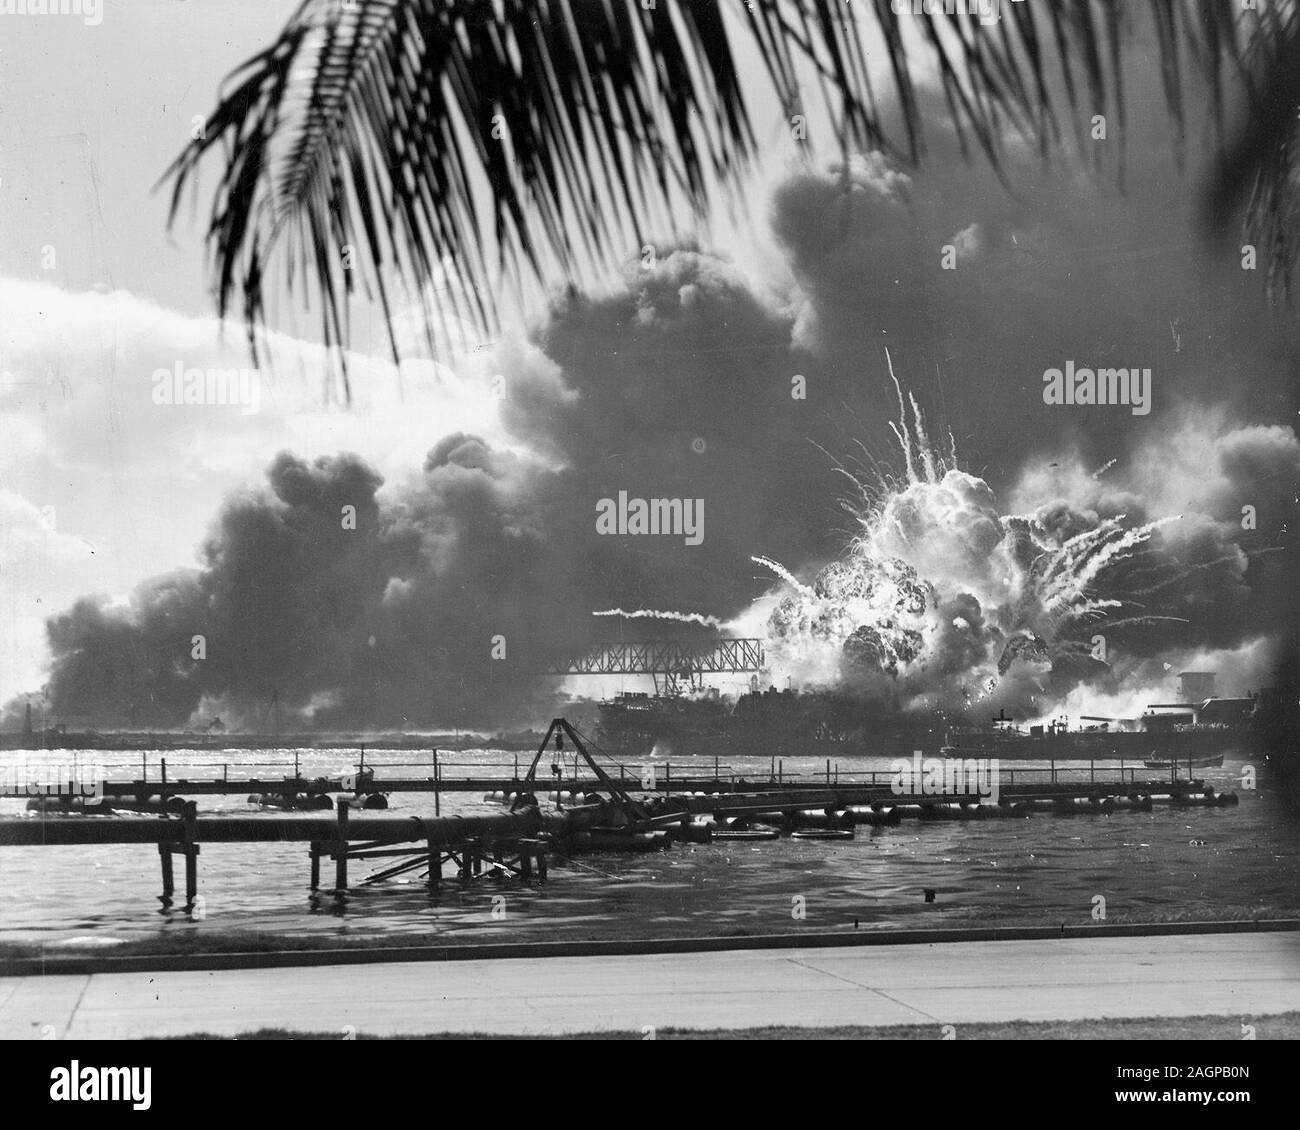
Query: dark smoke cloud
(678, 386)
(1064, 267)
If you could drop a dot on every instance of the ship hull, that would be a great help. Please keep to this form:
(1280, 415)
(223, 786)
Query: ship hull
(787, 725)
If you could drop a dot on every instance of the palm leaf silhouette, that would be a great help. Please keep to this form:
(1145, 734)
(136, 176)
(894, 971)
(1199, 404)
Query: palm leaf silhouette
(382, 143)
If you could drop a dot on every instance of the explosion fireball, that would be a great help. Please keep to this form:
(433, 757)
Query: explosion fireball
(940, 597)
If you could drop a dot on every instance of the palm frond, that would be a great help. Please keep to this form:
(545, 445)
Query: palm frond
(1258, 172)
(382, 143)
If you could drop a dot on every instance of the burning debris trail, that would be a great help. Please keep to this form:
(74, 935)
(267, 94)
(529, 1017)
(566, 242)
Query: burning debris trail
(941, 600)
(654, 614)
(782, 572)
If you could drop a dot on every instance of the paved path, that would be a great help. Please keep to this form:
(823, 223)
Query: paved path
(1239, 976)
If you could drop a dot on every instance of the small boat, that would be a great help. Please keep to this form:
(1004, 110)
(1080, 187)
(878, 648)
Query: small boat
(747, 834)
(823, 834)
(1209, 761)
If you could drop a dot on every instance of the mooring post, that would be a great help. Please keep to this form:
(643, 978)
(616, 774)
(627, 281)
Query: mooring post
(341, 849)
(165, 858)
(435, 866)
(437, 797)
(163, 794)
(315, 864)
(526, 860)
(191, 854)
(466, 861)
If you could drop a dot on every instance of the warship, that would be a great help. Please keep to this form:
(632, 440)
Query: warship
(790, 723)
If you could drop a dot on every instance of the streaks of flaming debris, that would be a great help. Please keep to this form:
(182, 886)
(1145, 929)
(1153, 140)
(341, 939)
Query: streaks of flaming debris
(654, 614)
(939, 590)
(782, 572)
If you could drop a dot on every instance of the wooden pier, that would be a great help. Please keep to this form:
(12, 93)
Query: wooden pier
(663, 780)
(620, 813)
(514, 843)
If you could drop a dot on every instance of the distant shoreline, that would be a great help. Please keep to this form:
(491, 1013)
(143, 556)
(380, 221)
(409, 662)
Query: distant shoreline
(146, 742)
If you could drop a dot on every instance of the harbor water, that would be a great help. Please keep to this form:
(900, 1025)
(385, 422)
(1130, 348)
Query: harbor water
(1170, 864)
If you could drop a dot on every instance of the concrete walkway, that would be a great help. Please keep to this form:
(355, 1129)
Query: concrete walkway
(1242, 977)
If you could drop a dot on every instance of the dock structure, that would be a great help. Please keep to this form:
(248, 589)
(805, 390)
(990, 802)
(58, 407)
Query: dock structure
(654, 777)
(511, 843)
(603, 813)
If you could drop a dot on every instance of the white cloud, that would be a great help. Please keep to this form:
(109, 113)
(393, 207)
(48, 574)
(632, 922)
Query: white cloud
(37, 574)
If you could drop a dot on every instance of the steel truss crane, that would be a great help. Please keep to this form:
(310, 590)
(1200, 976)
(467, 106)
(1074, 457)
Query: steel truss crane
(673, 661)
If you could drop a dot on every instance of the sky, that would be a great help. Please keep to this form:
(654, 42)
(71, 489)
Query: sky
(128, 526)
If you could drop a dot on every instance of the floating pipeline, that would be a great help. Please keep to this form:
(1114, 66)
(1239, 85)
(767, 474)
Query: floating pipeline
(875, 817)
(1208, 798)
(105, 806)
(1180, 792)
(956, 811)
(293, 802)
(562, 797)
(809, 818)
(1139, 802)
(609, 839)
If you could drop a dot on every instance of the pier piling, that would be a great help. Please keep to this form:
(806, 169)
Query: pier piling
(435, 866)
(169, 886)
(341, 849)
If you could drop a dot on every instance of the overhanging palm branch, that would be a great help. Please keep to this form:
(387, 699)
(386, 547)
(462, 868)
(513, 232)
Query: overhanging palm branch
(398, 142)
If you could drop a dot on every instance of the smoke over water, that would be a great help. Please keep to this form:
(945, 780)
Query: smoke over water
(1078, 563)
